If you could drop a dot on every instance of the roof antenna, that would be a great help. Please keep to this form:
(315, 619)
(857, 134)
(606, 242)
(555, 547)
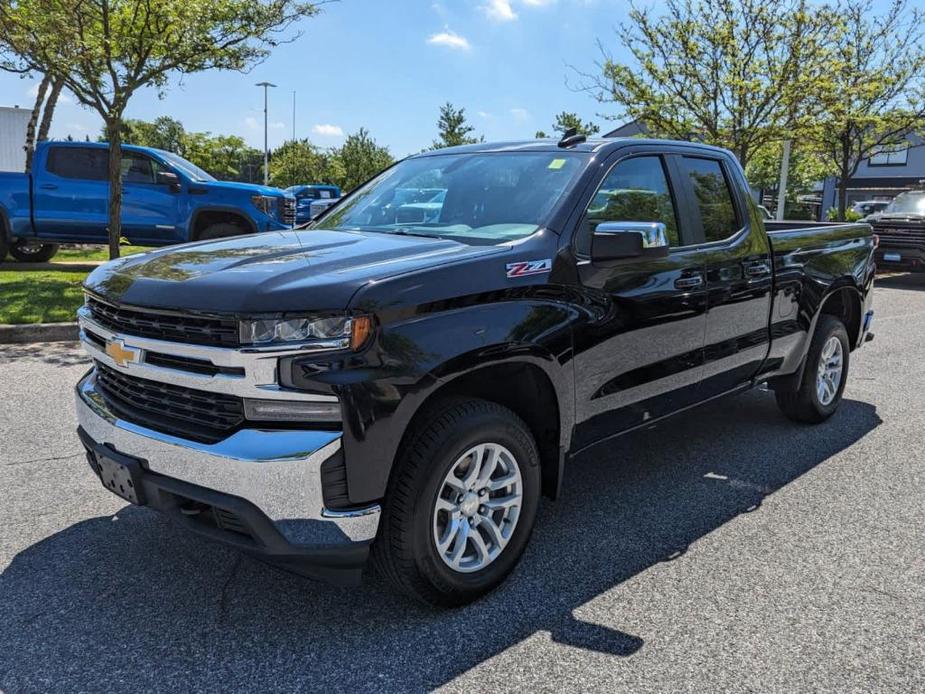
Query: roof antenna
(570, 138)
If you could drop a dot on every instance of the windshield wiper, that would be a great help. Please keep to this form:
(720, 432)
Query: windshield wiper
(402, 231)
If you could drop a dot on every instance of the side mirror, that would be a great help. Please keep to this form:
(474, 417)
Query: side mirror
(616, 240)
(170, 179)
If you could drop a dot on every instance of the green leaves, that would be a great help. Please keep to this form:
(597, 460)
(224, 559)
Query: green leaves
(453, 129)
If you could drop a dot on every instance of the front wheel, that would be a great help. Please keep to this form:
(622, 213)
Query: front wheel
(461, 504)
(26, 251)
(824, 375)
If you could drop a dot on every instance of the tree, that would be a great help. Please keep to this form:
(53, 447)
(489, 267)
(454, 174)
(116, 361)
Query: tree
(873, 96)
(733, 73)
(164, 133)
(299, 161)
(807, 167)
(107, 50)
(565, 121)
(361, 159)
(453, 128)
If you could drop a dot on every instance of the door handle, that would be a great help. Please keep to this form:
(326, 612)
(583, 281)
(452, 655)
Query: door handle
(689, 282)
(48, 186)
(757, 270)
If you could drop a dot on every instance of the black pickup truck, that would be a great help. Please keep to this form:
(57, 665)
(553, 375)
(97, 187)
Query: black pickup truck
(379, 384)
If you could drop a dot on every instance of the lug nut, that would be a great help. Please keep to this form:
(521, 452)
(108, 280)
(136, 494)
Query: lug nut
(482, 510)
(483, 492)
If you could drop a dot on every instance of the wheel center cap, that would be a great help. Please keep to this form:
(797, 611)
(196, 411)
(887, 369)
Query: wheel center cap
(470, 504)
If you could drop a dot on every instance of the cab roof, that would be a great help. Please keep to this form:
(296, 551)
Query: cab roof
(591, 145)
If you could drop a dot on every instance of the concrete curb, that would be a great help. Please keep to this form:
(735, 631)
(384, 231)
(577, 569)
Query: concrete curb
(38, 332)
(88, 266)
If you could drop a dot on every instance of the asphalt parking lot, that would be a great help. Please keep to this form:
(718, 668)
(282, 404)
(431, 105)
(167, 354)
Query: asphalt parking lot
(726, 550)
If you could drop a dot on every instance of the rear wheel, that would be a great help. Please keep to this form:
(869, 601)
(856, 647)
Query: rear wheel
(461, 504)
(4, 243)
(824, 375)
(27, 251)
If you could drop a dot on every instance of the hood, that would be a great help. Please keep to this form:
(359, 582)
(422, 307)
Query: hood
(894, 217)
(252, 188)
(308, 270)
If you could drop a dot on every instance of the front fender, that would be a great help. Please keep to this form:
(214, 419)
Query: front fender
(382, 389)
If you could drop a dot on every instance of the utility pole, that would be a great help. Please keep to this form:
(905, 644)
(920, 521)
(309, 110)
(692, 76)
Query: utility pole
(266, 147)
(782, 184)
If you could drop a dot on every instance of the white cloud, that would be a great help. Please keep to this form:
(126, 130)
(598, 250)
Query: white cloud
(537, 3)
(499, 10)
(484, 114)
(278, 125)
(450, 39)
(520, 114)
(251, 123)
(328, 130)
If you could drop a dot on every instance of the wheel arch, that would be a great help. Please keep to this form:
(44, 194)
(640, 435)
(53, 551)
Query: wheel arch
(522, 386)
(204, 217)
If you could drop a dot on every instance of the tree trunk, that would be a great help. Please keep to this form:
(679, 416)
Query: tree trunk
(842, 199)
(114, 132)
(33, 121)
(50, 105)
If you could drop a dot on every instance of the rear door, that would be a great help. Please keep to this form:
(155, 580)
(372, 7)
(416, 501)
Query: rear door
(735, 252)
(71, 198)
(641, 354)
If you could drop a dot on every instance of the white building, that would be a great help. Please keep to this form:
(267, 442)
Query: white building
(13, 125)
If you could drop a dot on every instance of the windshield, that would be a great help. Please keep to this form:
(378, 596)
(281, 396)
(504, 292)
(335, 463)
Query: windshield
(186, 167)
(476, 198)
(907, 203)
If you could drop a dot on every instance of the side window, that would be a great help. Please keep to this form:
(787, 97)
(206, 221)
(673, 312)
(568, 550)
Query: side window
(635, 190)
(713, 197)
(137, 168)
(87, 163)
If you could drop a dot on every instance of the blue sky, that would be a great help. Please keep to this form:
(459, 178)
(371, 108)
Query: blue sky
(387, 66)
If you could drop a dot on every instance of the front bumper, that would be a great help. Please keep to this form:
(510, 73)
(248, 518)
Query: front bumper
(897, 256)
(269, 480)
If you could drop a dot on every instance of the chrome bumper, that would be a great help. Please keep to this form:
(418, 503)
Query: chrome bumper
(277, 471)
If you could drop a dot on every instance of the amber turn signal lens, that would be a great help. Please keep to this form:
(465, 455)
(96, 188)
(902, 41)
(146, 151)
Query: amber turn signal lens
(362, 326)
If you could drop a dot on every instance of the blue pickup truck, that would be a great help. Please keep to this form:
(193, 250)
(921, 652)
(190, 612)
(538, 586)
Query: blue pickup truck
(166, 200)
(312, 199)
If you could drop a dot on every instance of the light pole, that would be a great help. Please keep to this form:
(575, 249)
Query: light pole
(266, 148)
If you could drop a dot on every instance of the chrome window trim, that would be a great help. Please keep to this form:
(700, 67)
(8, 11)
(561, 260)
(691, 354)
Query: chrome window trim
(259, 364)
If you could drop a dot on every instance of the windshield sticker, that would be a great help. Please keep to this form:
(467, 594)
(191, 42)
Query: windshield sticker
(556, 164)
(529, 267)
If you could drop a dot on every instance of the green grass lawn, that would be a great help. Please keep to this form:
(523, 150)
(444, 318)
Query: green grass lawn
(85, 253)
(39, 297)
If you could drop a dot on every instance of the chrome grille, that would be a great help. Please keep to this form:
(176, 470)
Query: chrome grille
(198, 414)
(287, 212)
(165, 326)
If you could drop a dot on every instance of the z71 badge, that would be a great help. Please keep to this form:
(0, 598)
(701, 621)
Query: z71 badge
(529, 267)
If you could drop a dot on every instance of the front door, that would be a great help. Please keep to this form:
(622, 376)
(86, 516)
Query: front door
(640, 355)
(150, 210)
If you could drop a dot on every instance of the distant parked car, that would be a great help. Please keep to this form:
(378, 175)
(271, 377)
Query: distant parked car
(900, 226)
(867, 207)
(166, 200)
(312, 199)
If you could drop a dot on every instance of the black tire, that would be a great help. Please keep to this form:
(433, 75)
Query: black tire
(803, 404)
(4, 244)
(405, 551)
(24, 253)
(220, 231)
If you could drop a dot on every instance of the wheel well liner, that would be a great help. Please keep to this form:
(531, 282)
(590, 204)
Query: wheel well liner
(845, 304)
(207, 217)
(522, 388)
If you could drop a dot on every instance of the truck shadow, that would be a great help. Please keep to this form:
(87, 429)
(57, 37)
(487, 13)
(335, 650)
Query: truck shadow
(910, 280)
(133, 600)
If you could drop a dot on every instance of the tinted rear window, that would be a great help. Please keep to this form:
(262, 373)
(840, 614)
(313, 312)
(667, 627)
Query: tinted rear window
(88, 163)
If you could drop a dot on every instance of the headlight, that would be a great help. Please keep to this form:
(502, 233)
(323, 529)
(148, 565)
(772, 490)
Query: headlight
(333, 333)
(264, 203)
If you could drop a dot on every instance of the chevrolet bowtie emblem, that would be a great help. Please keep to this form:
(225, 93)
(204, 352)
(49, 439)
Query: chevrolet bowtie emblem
(121, 354)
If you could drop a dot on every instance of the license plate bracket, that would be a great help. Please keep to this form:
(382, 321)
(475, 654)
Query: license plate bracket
(120, 474)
